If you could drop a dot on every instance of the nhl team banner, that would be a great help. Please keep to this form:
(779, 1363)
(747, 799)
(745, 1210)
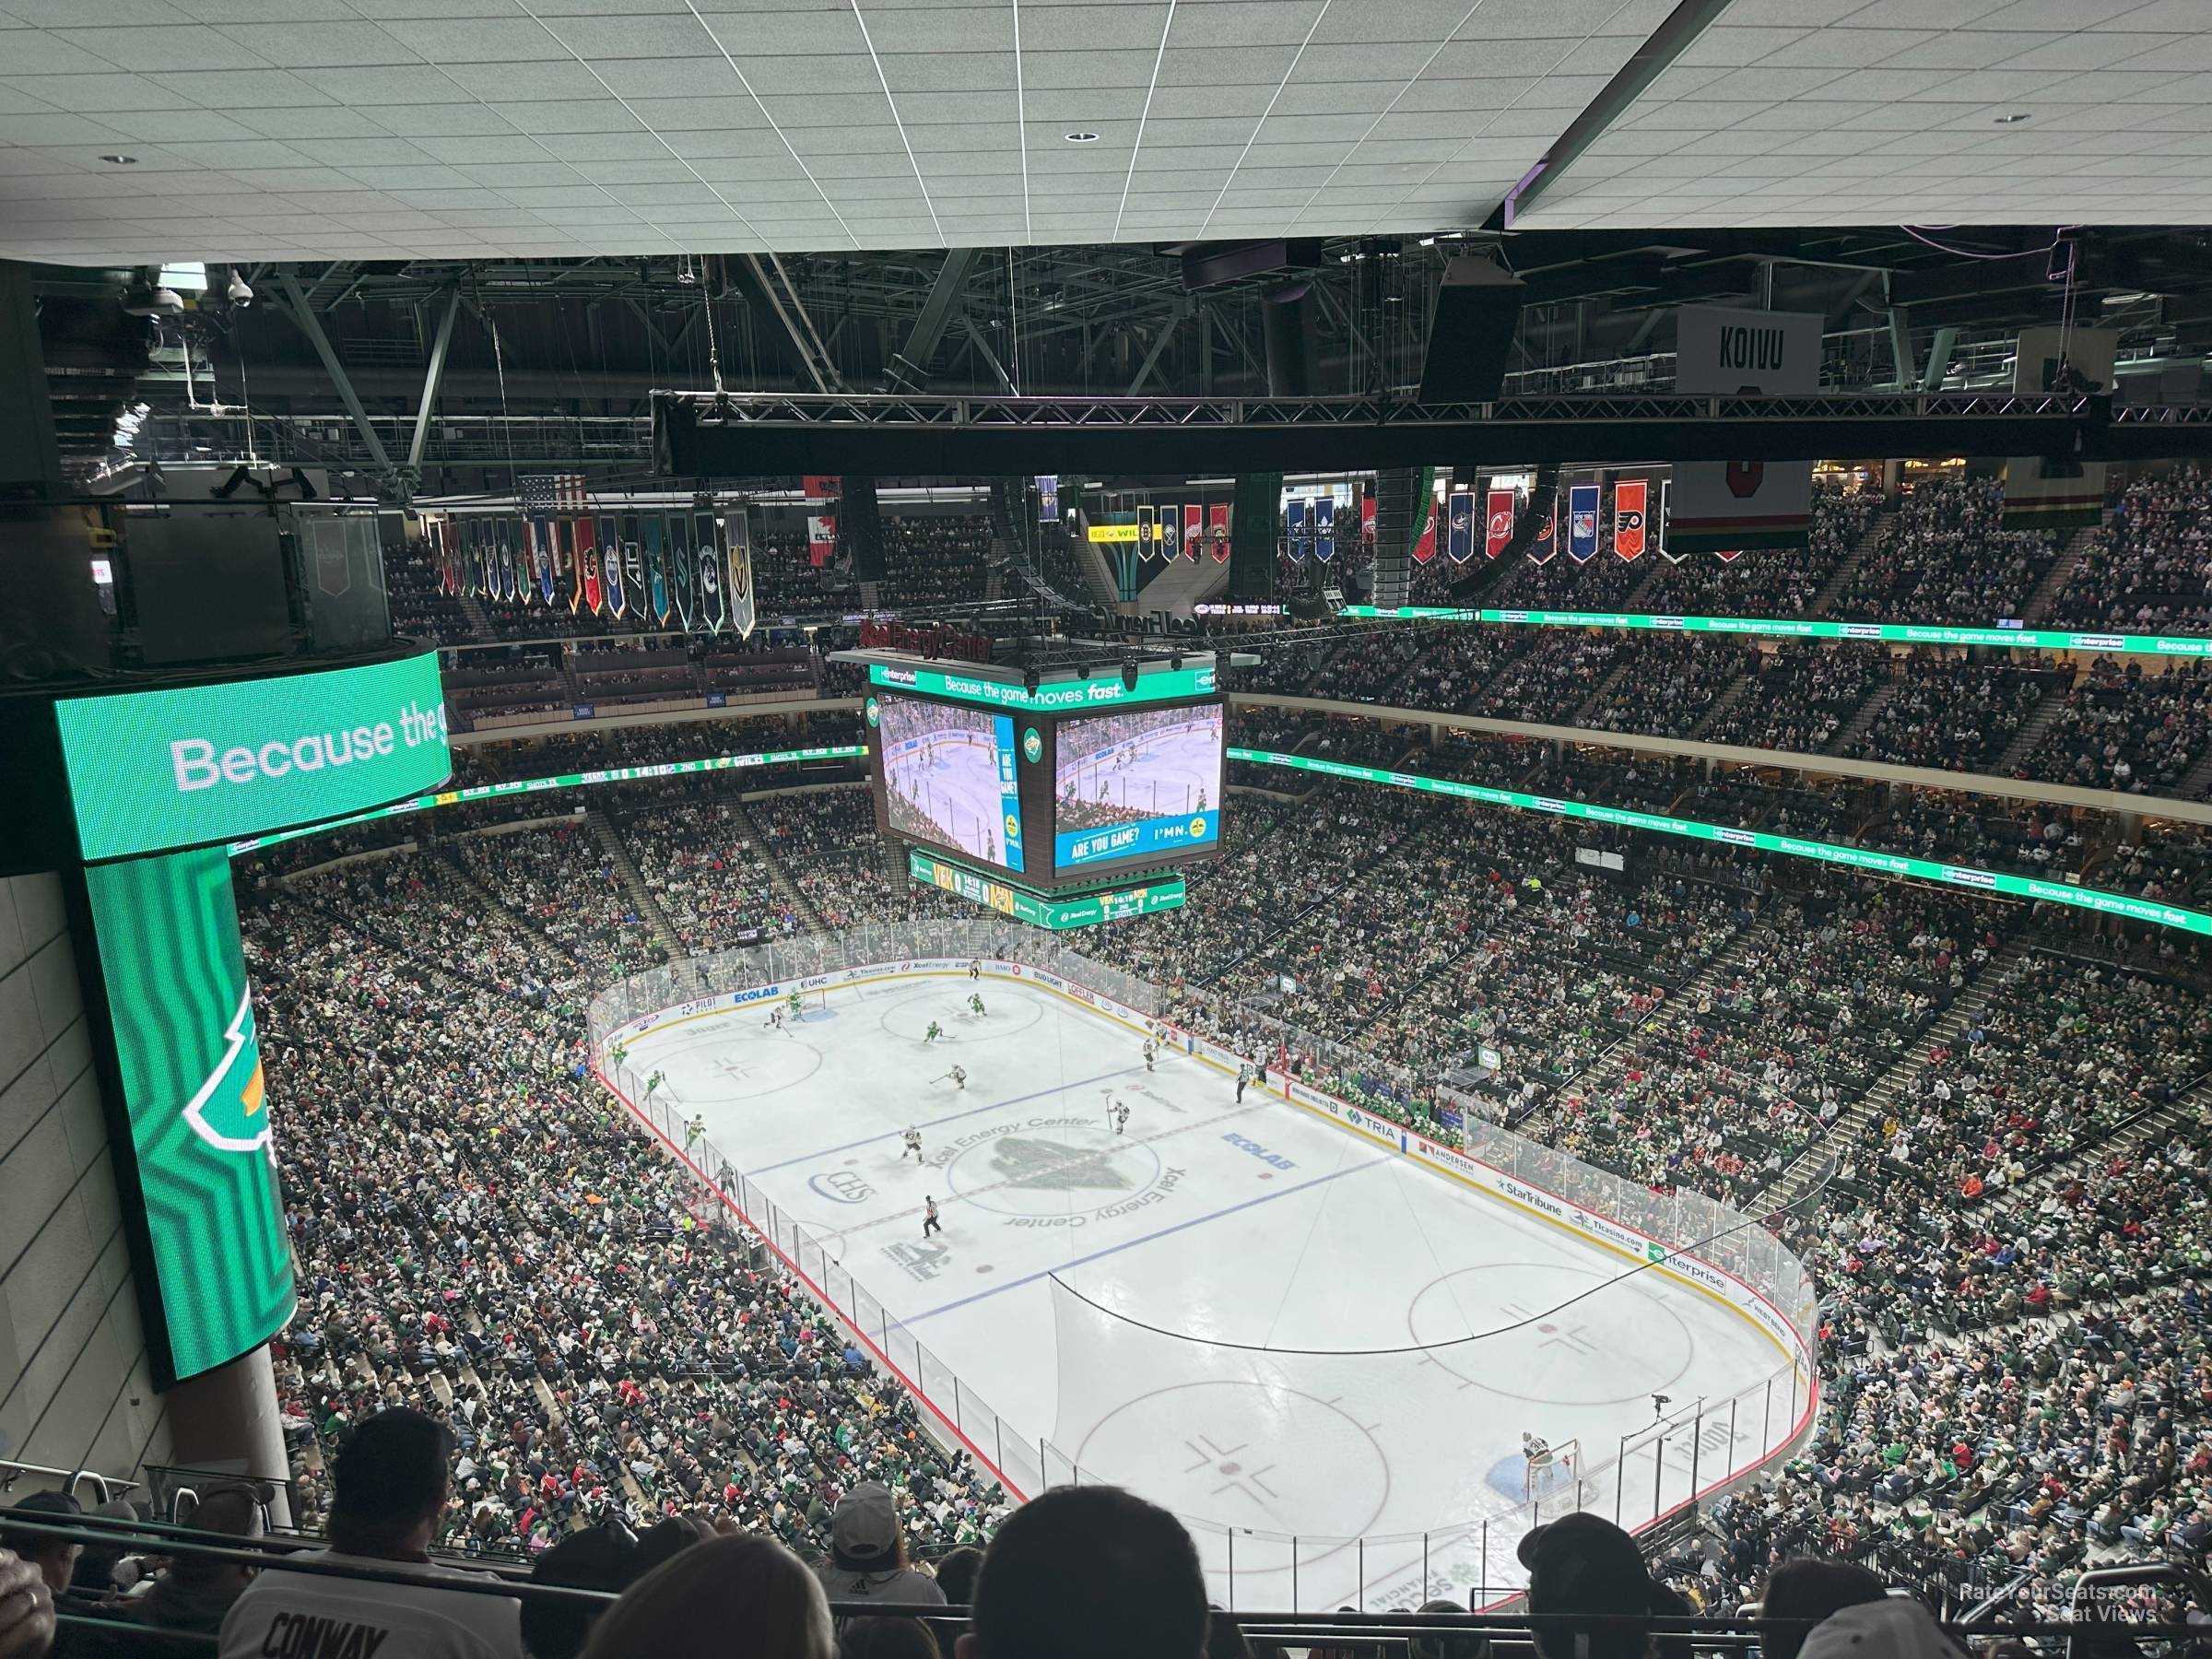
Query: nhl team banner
(713, 607)
(681, 571)
(1294, 528)
(1171, 531)
(610, 568)
(1498, 529)
(1546, 540)
(1193, 530)
(1424, 529)
(587, 566)
(1659, 537)
(656, 570)
(1629, 496)
(1217, 529)
(541, 557)
(1728, 352)
(1048, 497)
(1325, 528)
(1582, 522)
(1148, 533)
(1367, 520)
(1459, 525)
(633, 565)
(738, 530)
(822, 540)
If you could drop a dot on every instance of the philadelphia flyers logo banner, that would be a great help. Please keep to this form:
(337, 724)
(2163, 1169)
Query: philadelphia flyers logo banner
(1628, 517)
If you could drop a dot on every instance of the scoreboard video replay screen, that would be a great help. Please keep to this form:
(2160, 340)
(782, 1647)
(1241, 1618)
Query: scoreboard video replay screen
(1053, 798)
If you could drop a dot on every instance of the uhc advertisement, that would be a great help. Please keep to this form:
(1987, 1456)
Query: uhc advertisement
(1147, 783)
(155, 769)
(192, 1080)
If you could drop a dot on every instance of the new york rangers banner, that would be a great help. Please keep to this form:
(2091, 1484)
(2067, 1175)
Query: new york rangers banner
(1193, 530)
(1171, 531)
(656, 568)
(682, 571)
(737, 531)
(1498, 527)
(821, 539)
(1546, 540)
(1628, 517)
(1582, 522)
(1424, 507)
(587, 566)
(1048, 497)
(1294, 528)
(1217, 530)
(611, 567)
(1459, 525)
(712, 607)
(1325, 528)
(1728, 352)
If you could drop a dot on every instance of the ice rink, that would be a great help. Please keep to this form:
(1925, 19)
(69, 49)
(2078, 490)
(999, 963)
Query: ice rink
(1173, 773)
(1250, 1313)
(953, 790)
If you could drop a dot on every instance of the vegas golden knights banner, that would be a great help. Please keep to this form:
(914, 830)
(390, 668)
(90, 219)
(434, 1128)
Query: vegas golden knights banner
(744, 613)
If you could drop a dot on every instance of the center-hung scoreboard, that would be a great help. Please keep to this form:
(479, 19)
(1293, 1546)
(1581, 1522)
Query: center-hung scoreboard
(1060, 797)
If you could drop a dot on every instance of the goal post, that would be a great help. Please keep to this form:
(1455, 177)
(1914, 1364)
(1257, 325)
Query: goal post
(1554, 1473)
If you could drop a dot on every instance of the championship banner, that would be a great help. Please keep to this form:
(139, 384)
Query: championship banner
(1547, 541)
(610, 568)
(737, 531)
(1424, 533)
(822, 540)
(1727, 352)
(1048, 497)
(1629, 496)
(1171, 531)
(1217, 530)
(1497, 528)
(2052, 493)
(713, 609)
(682, 571)
(1193, 530)
(633, 563)
(587, 566)
(1325, 528)
(656, 570)
(1582, 522)
(1294, 529)
(1148, 533)
(1459, 525)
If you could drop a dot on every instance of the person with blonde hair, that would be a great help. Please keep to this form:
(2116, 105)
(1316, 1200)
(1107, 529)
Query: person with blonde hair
(745, 1590)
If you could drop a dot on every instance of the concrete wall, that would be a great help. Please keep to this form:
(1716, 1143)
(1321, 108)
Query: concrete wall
(75, 1387)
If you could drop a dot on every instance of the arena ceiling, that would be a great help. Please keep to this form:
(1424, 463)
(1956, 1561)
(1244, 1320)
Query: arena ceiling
(310, 130)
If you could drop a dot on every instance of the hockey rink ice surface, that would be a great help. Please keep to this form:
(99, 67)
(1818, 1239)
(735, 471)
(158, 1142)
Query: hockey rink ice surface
(954, 784)
(1166, 775)
(1226, 1228)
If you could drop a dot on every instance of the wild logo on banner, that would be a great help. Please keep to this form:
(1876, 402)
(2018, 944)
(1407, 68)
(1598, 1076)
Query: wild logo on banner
(1628, 517)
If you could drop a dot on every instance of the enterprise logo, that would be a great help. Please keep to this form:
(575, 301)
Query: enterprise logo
(1740, 838)
(1978, 878)
(1862, 631)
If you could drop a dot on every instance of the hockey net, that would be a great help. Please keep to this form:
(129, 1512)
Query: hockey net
(1553, 1478)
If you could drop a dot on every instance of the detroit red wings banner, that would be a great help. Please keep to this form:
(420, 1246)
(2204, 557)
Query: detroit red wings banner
(1194, 529)
(1499, 533)
(1628, 517)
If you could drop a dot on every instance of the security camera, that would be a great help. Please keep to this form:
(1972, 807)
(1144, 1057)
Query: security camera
(153, 303)
(242, 295)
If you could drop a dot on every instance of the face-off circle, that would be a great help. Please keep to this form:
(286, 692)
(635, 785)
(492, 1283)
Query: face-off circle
(1010, 1013)
(1579, 1353)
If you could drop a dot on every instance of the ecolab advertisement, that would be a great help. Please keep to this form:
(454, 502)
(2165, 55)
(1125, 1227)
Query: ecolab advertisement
(150, 771)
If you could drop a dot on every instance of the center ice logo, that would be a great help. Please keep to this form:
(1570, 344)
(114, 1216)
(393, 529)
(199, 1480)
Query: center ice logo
(226, 1109)
(1055, 1166)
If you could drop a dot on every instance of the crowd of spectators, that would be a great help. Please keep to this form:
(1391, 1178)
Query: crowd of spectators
(2147, 572)
(934, 560)
(1948, 560)
(1950, 714)
(2122, 729)
(1768, 582)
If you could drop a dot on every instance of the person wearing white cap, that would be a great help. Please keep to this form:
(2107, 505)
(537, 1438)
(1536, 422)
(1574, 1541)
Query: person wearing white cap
(867, 1551)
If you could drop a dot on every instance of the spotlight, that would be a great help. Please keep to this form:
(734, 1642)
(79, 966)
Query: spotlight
(149, 302)
(240, 294)
(1129, 678)
(1082, 138)
(121, 160)
(2011, 120)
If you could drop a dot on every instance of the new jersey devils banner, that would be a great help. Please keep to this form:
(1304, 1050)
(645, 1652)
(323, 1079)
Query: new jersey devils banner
(1628, 517)
(713, 607)
(1217, 530)
(1294, 528)
(1325, 528)
(1193, 530)
(1498, 533)
(1582, 522)
(737, 531)
(587, 567)
(1459, 525)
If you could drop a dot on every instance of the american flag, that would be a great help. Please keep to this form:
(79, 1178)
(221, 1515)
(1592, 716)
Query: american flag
(554, 493)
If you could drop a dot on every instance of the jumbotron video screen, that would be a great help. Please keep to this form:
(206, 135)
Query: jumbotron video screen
(948, 778)
(1142, 784)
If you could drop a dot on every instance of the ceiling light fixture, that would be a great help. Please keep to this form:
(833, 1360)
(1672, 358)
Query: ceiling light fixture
(1082, 138)
(121, 160)
(2009, 120)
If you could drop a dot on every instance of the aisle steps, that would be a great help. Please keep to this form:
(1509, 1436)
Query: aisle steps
(634, 884)
(779, 874)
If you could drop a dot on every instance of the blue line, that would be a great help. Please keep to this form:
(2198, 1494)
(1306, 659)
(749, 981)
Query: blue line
(1116, 1249)
(948, 1118)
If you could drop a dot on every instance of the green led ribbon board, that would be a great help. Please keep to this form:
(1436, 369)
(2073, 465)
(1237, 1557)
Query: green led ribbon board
(1053, 697)
(1085, 910)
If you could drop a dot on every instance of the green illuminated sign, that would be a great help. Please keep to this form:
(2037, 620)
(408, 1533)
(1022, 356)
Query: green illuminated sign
(191, 1082)
(1790, 628)
(1106, 691)
(1084, 910)
(614, 774)
(1861, 858)
(150, 771)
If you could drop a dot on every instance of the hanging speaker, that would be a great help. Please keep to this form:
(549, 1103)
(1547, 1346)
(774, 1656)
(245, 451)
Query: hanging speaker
(1478, 306)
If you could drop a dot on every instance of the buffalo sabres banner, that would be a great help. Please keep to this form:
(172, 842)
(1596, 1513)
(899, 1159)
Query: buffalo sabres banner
(2058, 492)
(656, 570)
(736, 530)
(1294, 528)
(682, 572)
(1048, 497)
(1459, 525)
(1424, 530)
(1498, 529)
(1217, 530)
(1325, 528)
(1629, 496)
(1193, 530)
(1727, 352)
(712, 605)
(587, 567)
(1582, 522)
(1546, 542)
(1171, 531)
